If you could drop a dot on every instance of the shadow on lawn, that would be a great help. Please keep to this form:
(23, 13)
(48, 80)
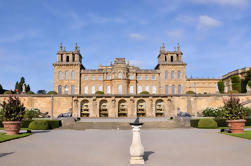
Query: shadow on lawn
(5, 154)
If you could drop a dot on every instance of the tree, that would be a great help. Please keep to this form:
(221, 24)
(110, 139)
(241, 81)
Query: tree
(19, 86)
(52, 93)
(221, 86)
(42, 91)
(236, 83)
(1, 89)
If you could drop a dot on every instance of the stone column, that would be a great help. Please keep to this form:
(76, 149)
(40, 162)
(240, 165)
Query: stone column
(132, 109)
(75, 110)
(112, 111)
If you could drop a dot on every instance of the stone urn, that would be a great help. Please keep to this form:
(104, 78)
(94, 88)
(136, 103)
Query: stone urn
(236, 126)
(12, 127)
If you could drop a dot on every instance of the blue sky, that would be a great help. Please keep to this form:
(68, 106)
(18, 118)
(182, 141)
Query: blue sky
(215, 35)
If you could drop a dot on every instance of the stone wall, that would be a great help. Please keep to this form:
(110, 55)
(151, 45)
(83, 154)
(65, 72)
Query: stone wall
(192, 104)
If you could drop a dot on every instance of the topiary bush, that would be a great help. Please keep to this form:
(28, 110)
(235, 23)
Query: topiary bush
(52, 93)
(236, 83)
(30, 93)
(194, 123)
(99, 93)
(7, 92)
(207, 124)
(221, 86)
(144, 93)
(248, 111)
(39, 125)
(54, 124)
(190, 92)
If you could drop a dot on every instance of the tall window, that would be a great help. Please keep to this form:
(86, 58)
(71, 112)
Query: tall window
(131, 89)
(146, 77)
(100, 77)
(67, 58)
(171, 58)
(179, 75)
(173, 89)
(60, 75)
(93, 77)
(66, 75)
(59, 89)
(139, 78)
(139, 89)
(179, 89)
(61, 57)
(73, 75)
(120, 89)
(120, 75)
(166, 74)
(85, 77)
(166, 89)
(86, 90)
(172, 75)
(73, 58)
(108, 77)
(108, 89)
(93, 89)
(66, 89)
(100, 88)
(153, 89)
(130, 77)
(153, 77)
(147, 88)
(72, 89)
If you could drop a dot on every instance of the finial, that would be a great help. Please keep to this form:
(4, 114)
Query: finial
(162, 48)
(60, 47)
(76, 46)
(178, 46)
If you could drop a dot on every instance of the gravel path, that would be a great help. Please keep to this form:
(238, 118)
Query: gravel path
(175, 147)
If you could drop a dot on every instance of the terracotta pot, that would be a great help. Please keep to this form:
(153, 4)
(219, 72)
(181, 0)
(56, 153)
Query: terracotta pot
(236, 126)
(12, 127)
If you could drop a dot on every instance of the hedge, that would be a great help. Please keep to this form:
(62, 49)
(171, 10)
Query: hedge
(207, 124)
(39, 125)
(52, 123)
(221, 86)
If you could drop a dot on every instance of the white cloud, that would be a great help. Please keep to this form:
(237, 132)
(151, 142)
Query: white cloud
(137, 36)
(176, 34)
(206, 22)
(235, 3)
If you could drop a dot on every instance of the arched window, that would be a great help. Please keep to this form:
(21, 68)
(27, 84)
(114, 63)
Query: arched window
(73, 75)
(66, 89)
(173, 89)
(60, 75)
(72, 89)
(120, 89)
(66, 75)
(59, 89)
(86, 90)
(67, 59)
(147, 88)
(108, 89)
(179, 75)
(166, 89)
(172, 75)
(120, 75)
(179, 89)
(166, 74)
(93, 89)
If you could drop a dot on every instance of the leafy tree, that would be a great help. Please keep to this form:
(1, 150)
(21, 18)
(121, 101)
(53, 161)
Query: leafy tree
(221, 86)
(19, 86)
(243, 86)
(1, 89)
(42, 91)
(236, 83)
(30, 92)
(52, 93)
(249, 84)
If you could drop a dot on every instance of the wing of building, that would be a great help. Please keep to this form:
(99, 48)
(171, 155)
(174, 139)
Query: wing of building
(168, 77)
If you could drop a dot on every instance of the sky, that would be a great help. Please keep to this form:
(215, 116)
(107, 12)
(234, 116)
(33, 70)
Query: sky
(214, 35)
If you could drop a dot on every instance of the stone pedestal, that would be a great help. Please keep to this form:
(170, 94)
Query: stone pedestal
(136, 148)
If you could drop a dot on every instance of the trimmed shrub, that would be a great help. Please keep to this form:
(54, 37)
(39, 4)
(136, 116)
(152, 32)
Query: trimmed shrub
(248, 111)
(248, 122)
(221, 86)
(190, 92)
(7, 92)
(194, 123)
(39, 125)
(236, 83)
(249, 84)
(236, 87)
(30, 93)
(207, 124)
(25, 123)
(52, 93)
(144, 93)
(54, 124)
(221, 122)
(99, 93)
(42, 92)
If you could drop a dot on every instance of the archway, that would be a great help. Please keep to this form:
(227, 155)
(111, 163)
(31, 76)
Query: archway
(122, 108)
(103, 108)
(141, 108)
(84, 112)
(159, 108)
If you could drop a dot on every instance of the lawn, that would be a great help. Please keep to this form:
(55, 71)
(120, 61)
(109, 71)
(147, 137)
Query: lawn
(4, 137)
(245, 134)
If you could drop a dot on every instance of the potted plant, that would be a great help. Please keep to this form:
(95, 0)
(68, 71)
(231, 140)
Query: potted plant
(13, 112)
(234, 112)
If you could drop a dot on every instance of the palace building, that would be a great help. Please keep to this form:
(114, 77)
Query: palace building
(168, 77)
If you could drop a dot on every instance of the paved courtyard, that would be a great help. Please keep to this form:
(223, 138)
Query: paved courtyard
(175, 147)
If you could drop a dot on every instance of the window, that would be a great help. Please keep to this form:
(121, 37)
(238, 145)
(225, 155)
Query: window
(130, 77)
(100, 88)
(67, 58)
(93, 77)
(171, 58)
(146, 77)
(153, 77)
(147, 88)
(153, 89)
(120, 75)
(66, 89)
(73, 75)
(179, 75)
(73, 58)
(172, 75)
(139, 78)
(166, 74)
(86, 90)
(179, 89)
(100, 77)
(139, 89)
(59, 89)
(166, 89)
(85, 77)
(66, 75)
(173, 89)
(61, 57)
(131, 89)
(72, 89)
(60, 75)
(108, 77)
(108, 89)
(93, 89)
(120, 89)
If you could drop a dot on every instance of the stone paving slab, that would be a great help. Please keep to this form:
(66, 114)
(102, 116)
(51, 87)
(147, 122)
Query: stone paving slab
(174, 147)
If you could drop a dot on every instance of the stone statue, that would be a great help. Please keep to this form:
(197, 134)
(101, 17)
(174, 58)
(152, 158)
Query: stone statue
(23, 88)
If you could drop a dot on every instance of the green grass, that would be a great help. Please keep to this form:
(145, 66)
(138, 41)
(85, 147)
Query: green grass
(227, 127)
(245, 134)
(4, 137)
